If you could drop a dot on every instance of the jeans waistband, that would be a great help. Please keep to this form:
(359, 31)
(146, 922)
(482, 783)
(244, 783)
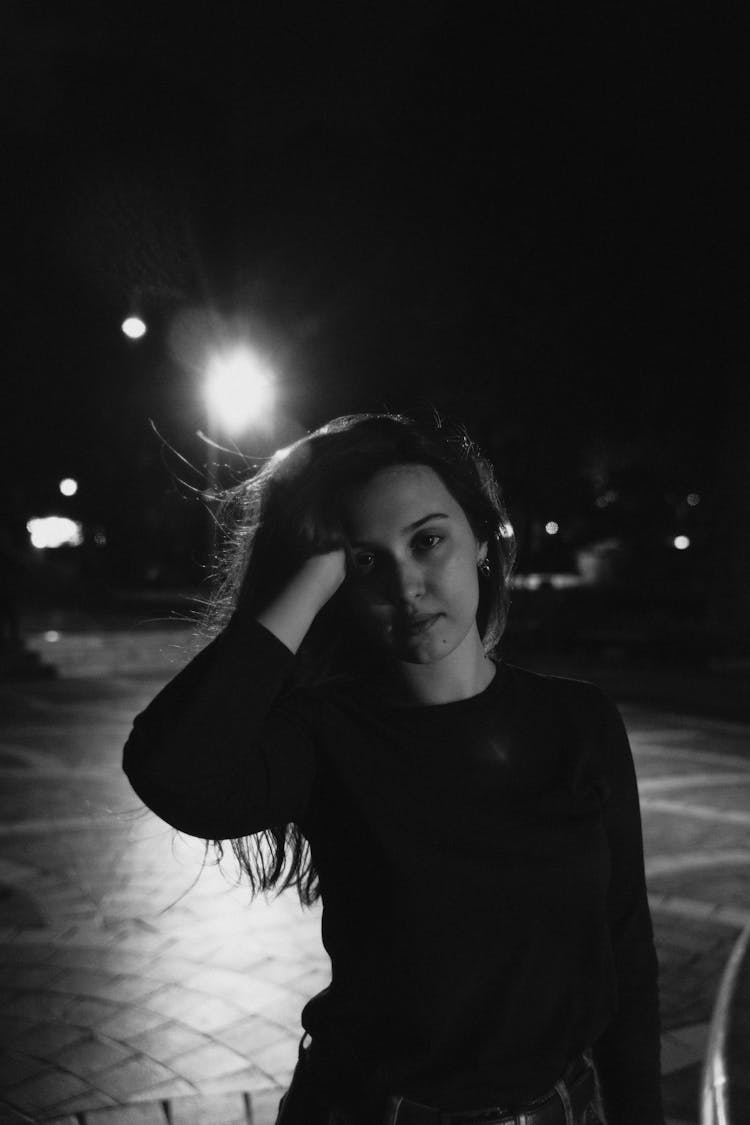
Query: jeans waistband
(566, 1103)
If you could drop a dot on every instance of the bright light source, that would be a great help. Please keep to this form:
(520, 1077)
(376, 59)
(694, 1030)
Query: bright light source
(551, 528)
(133, 327)
(52, 635)
(54, 531)
(239, 389)
(681, 542)
(68, 486)
(693, 499)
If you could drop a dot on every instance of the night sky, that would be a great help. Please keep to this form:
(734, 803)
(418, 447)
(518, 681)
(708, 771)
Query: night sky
(538, 226)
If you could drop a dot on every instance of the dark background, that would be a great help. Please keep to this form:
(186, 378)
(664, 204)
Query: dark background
(536, 224)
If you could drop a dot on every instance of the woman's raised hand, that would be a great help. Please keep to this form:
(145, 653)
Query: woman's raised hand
(292, 612)
(326, 572)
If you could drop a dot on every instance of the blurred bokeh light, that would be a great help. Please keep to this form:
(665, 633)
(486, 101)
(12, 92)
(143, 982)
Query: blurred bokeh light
(54, 531)
(133, 327)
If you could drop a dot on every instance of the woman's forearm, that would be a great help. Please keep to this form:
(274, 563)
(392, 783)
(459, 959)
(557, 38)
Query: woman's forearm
(290, 615)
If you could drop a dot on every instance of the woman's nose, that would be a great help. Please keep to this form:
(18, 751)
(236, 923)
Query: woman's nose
(406, 581)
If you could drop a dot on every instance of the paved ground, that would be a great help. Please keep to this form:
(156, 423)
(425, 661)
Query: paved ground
(137, 985)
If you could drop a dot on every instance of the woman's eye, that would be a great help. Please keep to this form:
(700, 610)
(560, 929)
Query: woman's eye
(428, 542)
(364, 562)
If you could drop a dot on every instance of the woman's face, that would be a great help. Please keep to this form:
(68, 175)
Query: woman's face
(413, 583)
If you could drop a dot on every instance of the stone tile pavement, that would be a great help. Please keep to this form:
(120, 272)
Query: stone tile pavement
(138, 986)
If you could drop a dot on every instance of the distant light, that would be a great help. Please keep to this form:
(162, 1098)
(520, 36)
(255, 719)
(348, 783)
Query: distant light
(551, 528)
(681, 542)
(52, 635)
(693, 499)
(133, 327)
(100, 539)
(68, 486)
(606, 498)
(54, 531)
(239, 389)
(534, 581)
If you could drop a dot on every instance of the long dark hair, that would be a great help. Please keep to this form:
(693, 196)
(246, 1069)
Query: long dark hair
(289, 510)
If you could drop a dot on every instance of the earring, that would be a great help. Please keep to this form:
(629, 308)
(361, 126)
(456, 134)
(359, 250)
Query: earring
(484, 567)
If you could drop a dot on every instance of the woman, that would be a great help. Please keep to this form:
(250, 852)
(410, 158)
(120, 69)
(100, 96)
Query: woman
(472, 828)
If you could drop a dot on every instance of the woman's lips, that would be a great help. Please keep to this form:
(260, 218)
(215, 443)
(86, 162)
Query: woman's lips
(416, 625)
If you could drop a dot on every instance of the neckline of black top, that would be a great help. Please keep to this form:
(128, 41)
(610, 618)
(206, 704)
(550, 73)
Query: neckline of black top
(487, 695)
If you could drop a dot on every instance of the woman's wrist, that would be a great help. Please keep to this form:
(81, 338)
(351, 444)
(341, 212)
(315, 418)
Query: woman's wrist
(290, 615)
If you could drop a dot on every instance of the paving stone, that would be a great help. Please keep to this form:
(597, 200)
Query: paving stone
(146, 1113)
(248, 1079)
(12, 1027)
(78, 957)
(130, 1022)
(10, 1116)
(86, 1057)
(164, 1091)
(83, 982)
(128, 989)
(124, 961)
(128, 1077)
(286, 1011)
(218, 1109)
(250, 993)
(13, 953)
(196, 1009)
(169, 968)
(168, 1040)
(24, 977)
(211, 1060)
(81, 1103)
(37, 1006)
(16, 1067)
(89, 1011)
(310, 982)
(254, 1033)
(44, 1090)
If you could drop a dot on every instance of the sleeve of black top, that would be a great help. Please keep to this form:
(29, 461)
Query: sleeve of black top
(218, 753)
(627, 1055)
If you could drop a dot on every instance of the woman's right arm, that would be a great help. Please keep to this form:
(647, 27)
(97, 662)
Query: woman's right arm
(214, 754)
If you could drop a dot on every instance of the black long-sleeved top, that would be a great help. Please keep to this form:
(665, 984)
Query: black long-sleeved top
(480, 862)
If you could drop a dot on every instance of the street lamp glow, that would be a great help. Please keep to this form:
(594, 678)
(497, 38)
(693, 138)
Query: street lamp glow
(681, 542)
(239, 389)
(552, 528)
(133, 327)
(68, 486)
(54, 531)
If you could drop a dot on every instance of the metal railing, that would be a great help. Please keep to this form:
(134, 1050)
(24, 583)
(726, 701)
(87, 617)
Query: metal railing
(715, 1081)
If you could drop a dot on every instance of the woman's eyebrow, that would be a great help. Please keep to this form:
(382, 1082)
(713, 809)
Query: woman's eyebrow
(426, 519)
(410, 527)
